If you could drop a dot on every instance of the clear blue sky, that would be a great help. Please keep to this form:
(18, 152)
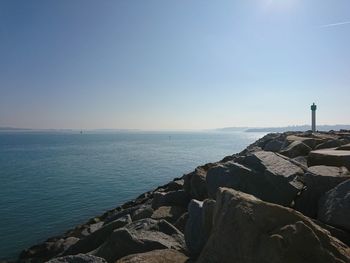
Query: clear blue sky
(184, 64)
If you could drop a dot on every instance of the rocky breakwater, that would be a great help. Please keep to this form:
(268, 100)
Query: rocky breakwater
(285, 198)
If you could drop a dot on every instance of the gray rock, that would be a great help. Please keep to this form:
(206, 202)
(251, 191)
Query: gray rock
(263, 174)
(329, 157)
(91, 228)
(141, 236)
(329, 144)
(249, 230)
(175, 185)
(208, 214)
(47, 250)
(309, 141)
(195, 182)
(116, 214)
(334, 206)
(332, 171)
(318, 180)
(199, 225)
(295, 149)
(145, 211)
(172, 198)
(345, 147)
(342, 235)
(80, 258)
(181, 222)
(168, 213)
(302, 160)
(194, 237)
(95, 239)
(273, 146)
(156, 256)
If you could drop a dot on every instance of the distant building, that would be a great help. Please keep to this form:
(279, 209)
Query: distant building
(313, 117)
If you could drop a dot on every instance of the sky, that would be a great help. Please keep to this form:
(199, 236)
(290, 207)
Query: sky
(184, 64)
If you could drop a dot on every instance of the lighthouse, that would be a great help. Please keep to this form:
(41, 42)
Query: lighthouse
(313, 117)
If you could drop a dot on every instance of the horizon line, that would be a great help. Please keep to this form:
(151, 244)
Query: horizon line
(4, 128)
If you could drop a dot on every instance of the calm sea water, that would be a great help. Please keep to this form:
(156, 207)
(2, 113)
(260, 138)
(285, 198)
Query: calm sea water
(50, 182)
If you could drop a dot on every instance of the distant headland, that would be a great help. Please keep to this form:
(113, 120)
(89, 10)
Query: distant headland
(287, 128)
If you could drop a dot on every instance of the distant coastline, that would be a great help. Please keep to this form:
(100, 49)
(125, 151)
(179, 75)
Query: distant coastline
(294, 128)
(286, 128)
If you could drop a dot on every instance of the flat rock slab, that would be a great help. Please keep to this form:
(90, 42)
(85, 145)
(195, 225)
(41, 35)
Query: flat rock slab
(311, 142)
(155, 256)
(324, 170)
(296, 149)
(80, 258)
(345, 147)
(266, 175)
(330, 157)
(273, 164)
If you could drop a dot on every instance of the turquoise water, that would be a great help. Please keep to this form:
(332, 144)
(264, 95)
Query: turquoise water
(50, 182)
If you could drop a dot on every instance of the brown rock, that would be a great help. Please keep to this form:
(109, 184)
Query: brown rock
(140, 236)
(80, 258)
(266, 175)
(330, 157)
(295, 149)
(318, 180)
(249, 230)
(168, 213)
(155, 256)
(334, 206)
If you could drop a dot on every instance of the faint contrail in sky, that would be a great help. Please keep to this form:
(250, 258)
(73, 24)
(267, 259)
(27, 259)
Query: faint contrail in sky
(336, 24)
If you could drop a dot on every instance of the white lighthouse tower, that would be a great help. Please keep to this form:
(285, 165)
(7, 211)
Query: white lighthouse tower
(313, 117)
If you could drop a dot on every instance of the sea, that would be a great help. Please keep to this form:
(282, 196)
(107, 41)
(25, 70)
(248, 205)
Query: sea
(52, 181)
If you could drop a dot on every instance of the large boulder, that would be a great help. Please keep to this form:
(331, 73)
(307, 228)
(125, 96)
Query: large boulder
(266, 175)
(194, 236)
(274, 145)
(195, 182)
(318, 180)
(296, 148)
(156, 256)
(95, 239)
(80, 258)
(329, 144)
(172, 198)
(334, 206)
(312, 142)
(141, 236)
(330, 157)
(249, 230)
(199, 224)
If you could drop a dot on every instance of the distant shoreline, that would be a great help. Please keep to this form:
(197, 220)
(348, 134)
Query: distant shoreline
(296, 128)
